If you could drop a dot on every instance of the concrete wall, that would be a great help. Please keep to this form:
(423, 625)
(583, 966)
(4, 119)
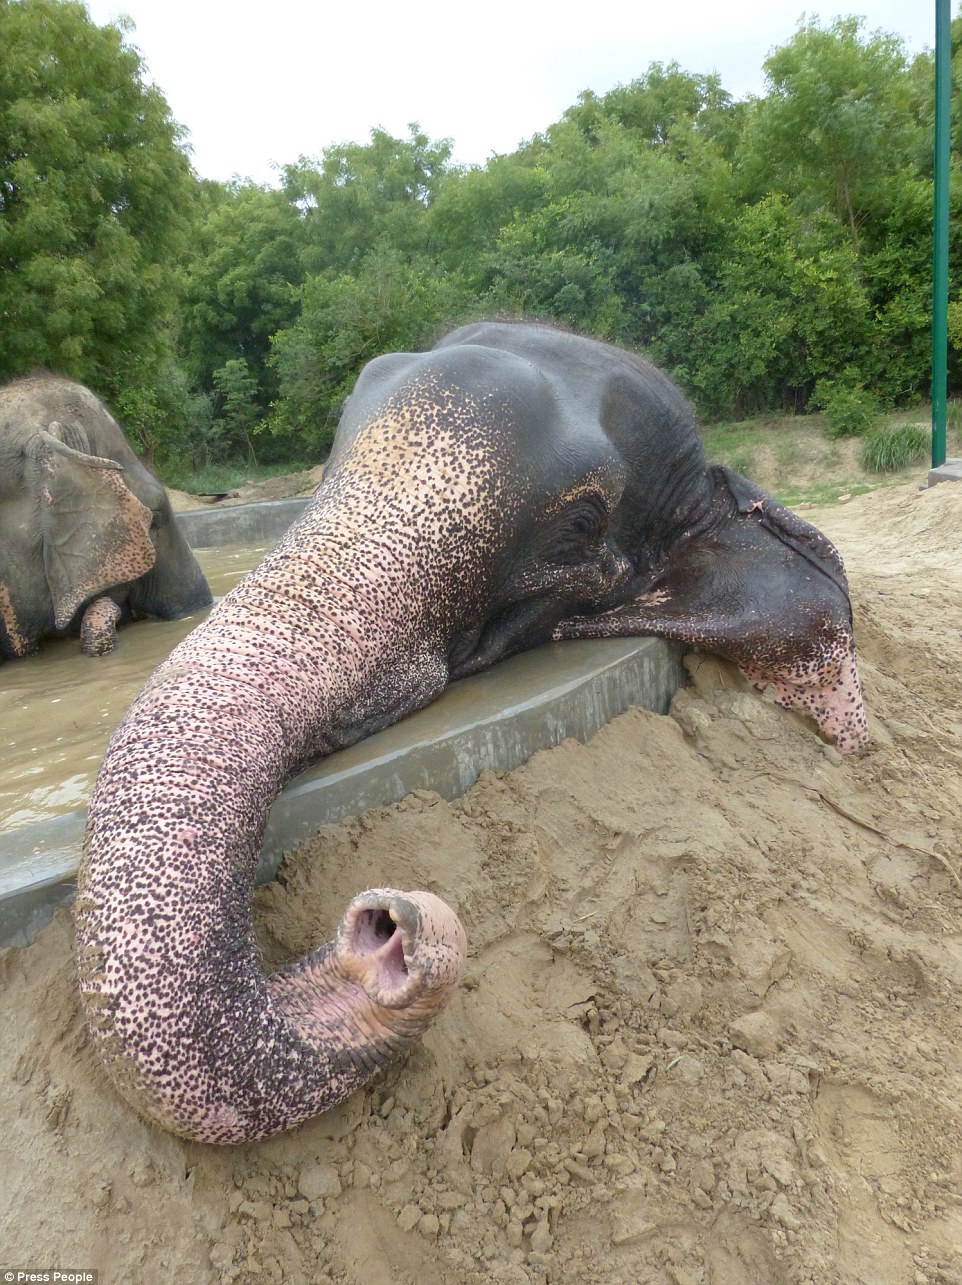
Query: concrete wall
(239, 523)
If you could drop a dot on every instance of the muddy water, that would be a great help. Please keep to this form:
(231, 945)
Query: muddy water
(58, 708)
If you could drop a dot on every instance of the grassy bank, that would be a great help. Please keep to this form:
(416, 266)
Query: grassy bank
(218, 478)
(794, 459)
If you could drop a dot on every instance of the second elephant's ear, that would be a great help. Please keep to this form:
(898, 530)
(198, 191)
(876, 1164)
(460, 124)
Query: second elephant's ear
(94, 531)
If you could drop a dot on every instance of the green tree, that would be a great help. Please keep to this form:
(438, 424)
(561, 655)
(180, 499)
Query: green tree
(841, 117)
(465, 219)
(661, 108)
(366, 194)
(896, 264)
(633, 198)
(240, 286)
(372, 282)
(237, 411)
(785, 307)
(390, 305)
(95, 200)
(846, 131)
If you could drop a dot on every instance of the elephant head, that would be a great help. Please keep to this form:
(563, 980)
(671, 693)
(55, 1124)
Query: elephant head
(513, 484)
(90, 537)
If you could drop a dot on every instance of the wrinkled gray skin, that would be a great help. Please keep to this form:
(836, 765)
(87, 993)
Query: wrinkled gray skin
(87, 536)
(514, 484)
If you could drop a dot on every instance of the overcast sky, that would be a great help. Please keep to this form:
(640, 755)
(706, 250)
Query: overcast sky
(259, 83)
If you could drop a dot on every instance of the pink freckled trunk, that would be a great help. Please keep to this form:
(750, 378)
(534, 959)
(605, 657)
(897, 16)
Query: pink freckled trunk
(191, 1030)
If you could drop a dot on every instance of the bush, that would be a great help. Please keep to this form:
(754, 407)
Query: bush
(164, 417)
(851, 410)
(890, 447)
(390, 304)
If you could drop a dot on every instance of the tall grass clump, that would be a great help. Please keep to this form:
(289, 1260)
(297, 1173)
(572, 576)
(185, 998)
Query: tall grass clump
(888, 448)
(953, 414)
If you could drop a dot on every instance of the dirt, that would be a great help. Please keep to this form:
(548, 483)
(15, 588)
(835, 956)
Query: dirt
(709, 1032)
(284, 486)
(813, 459)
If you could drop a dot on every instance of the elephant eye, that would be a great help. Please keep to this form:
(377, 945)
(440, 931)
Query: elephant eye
(581, 526)
(154, 521)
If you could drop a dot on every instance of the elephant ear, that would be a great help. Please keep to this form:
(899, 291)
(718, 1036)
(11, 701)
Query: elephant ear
(95, 533)
(793, 531)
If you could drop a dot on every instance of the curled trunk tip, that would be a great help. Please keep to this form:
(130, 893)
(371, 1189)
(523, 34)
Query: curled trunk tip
(402, 947)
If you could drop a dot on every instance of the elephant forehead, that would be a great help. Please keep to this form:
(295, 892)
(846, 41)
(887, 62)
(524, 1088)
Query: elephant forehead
(430, 441)
(503, 442)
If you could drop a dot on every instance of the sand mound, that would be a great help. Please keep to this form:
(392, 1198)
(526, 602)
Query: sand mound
(710, 1031)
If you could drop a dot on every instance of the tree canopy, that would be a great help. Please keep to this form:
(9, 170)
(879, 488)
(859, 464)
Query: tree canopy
(95, 201)
(763, 251)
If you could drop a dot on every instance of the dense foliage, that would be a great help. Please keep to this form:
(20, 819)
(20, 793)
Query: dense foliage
(772, 254)
(95, 204)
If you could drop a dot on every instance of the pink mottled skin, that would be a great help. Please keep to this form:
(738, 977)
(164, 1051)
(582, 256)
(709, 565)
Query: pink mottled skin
(303, 654)
(797, 649)
(514, 484)
(832, 698)
(394, 954)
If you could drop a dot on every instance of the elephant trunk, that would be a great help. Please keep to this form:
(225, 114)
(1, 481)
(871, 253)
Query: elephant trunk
(306, 654)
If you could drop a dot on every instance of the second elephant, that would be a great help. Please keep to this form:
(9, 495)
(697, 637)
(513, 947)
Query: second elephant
(87, 535)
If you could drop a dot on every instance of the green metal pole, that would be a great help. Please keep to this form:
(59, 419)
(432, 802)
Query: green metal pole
(940, 249)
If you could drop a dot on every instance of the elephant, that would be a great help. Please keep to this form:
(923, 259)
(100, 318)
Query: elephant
(516, 483)
(89, 539)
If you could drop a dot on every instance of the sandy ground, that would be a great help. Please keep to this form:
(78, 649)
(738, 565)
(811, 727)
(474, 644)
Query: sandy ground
(710, 1031)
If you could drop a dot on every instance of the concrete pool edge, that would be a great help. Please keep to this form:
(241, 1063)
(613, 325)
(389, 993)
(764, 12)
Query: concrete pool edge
(239, 523)
(493, 721)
